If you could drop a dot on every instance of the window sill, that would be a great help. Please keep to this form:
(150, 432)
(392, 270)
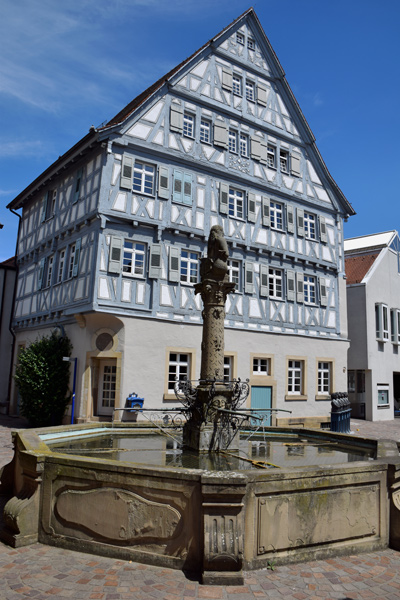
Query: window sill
(323, 397)
(139, 193)
(295, 397)
(133, 276)
(383, 406)
(169, 397)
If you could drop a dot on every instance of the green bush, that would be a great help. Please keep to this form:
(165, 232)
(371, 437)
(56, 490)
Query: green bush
(43, 380)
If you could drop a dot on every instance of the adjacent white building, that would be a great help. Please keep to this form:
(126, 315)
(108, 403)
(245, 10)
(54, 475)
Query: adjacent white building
(373, 302)
(112, 233)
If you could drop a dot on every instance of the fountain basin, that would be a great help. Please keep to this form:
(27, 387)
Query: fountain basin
(215, 523)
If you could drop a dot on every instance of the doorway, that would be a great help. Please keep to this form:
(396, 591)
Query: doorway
(107, 385)
(396, 394)
(261, 398)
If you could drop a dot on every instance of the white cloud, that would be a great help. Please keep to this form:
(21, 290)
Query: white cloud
(22, 148)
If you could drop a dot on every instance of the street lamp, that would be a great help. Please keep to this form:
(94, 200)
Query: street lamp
(75, 361)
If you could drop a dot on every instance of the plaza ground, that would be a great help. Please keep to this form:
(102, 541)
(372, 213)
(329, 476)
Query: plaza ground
(44, 572)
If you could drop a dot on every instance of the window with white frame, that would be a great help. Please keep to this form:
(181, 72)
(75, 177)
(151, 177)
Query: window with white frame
(250, 91)
(261, 366)
(275, 283)
(251, 44)
(189, 269)
(49, 276)
(205, 131)
(236, 203)
(240, 38)
(309, 289)
(188, 125)
(228, 368)
(232, 141)
(284, 161)
(381, 322)
(295, 377)
(60, 270)
(309, 226)
(71, 261)
(271, 156)
(324, 377)
(178, 368)
(237, 85)
(244, 145)
(133, 262)
(51, 204)
(276, 214)
(395, 325)
(234, 272)
(143, 178)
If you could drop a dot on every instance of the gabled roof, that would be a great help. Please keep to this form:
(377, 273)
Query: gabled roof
(102, 133)
(358, 266)
(9, 263)
(369, 242)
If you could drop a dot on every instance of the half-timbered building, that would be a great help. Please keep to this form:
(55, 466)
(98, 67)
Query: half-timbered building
(112, 233)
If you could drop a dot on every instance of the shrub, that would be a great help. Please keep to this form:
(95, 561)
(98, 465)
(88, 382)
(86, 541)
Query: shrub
(43, 380)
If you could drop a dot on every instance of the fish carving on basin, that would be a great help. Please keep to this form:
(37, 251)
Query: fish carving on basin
(118, 515)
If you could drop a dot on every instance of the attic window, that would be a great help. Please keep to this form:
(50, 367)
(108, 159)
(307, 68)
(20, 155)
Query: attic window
(251, 44)
(240, 38)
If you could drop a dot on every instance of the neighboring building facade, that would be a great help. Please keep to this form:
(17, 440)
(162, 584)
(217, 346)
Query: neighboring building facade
(373, 305)
(8, 273)
(112, 234)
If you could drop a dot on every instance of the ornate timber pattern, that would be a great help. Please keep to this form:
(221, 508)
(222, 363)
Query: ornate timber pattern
(222, 143)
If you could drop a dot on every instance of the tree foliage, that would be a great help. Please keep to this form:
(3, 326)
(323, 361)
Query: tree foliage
(43, 380)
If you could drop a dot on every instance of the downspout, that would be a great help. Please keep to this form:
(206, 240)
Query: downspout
(13, 308)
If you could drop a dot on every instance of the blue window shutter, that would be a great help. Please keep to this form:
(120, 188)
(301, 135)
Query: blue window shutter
(176, 118)
(187, 188)
(75, 268)
(41, 273)
(126, 173)
(220, 134)
(249, 278)
(163, 183)
(155, 261)
(174, 266)
(322, 230)
(177, 195)
(44, 207)
(290, 219)
(263, 153)
(227, 79)
(255, 148)
(300, 287)
(295, 164)
(290, 286)
(300, 222)
(115, 255)
(265, 212)
(261, 95)
(323, 294)
(263, 290)
(223, 198)
(78, 182)
(251, 207)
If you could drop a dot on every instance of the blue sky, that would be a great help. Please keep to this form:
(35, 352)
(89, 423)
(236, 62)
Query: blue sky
(68, 65)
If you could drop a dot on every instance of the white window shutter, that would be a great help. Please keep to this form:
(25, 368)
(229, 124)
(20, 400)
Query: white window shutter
(263, 153)
(323, 294)
(249, 278)
(264, 280)
(251, 207)
(177, 194)
(187, 188)
(322, 230)
(290, 285)
(220, 135)
(115, 255)
(176, 118)
(265, 212)
(295, 164)
(155, 261)
(223, 198)
(255, 148)
(75, 267)
(41, 273)
(299, 287)
(290, 218)
(300, 222)
(262, 95)
(126, 173)
(174, 266)
(227, 79)
(163, 183)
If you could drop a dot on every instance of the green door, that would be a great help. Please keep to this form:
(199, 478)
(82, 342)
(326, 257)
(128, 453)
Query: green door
(261, 397)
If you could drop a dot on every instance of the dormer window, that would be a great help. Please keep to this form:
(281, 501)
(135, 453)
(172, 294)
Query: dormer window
(284, 161)
(251, 44)
(237, 85)
(188, 125)
(240, 38)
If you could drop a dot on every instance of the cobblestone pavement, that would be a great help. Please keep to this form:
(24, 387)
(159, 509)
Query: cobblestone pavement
(44, 572)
